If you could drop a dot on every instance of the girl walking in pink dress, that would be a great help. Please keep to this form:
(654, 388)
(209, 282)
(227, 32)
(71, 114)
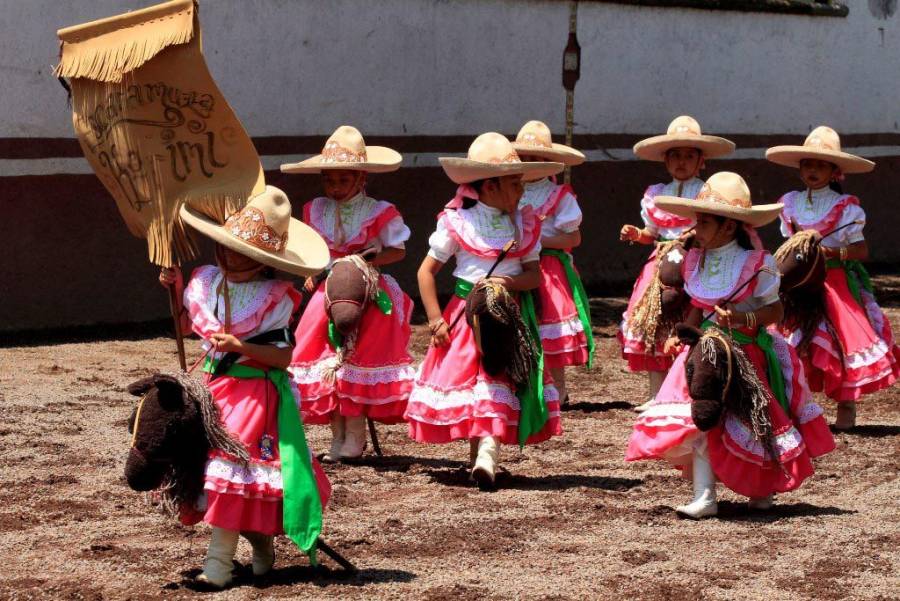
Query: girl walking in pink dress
(373, 378)
(683, 150)
(764, 442)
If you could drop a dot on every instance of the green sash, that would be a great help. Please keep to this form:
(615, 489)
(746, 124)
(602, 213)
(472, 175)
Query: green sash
(856, 275)
(302, 507)
(533, 412)
(773, 366)
(582, 302)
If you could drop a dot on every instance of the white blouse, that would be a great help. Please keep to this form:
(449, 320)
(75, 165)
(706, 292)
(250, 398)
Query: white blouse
(354, 213)
(722, 273)
(690, 189)
(808, 213)
(494, 223)
(246, 300)
(565, 219)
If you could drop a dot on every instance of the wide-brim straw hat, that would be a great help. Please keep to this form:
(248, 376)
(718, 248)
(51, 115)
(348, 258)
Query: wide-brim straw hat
(346, 149)
(683, 132)
(725, 194)
(822, 143)
(265, 231)
(535, 139)
(492, 155)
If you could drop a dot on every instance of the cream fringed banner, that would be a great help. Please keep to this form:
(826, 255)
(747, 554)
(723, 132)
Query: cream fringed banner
(153, 124)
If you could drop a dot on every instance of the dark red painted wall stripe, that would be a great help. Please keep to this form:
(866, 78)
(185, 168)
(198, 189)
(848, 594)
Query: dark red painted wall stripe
(44, 148)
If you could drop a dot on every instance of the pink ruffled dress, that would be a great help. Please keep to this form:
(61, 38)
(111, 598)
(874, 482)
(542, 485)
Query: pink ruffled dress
(865, 359)
(666, 431)
(453, 397)
(237, 497)
(562, 331)
(664, 226)
(377, 376)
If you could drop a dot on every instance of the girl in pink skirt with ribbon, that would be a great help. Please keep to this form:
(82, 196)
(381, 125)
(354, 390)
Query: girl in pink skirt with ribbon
(373, 378)
(766, 444)
(564, 316)
(454, 398)
(243, 314)
(683, 149)
(852, 351)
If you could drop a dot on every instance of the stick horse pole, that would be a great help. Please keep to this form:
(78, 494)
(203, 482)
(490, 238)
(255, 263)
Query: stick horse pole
(175, 308)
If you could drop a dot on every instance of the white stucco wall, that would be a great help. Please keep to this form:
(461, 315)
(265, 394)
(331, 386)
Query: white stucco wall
(418, 67)
(737, 72)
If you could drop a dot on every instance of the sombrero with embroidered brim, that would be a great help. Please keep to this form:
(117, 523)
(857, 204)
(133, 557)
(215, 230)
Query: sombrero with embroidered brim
(725, 194)
(535, 139)
(265, 231)
(492, 155)
(683, 132)
(346, 149)
(822, 143)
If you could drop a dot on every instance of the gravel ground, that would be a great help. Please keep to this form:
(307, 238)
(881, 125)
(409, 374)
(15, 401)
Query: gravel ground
(571, 520)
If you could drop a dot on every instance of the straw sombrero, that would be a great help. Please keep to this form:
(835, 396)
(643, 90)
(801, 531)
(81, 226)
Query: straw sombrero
(265, 231)
(822, 143)
(492, 155)
(535, 139)
(683, 132)
(346, 149)
(725, 194)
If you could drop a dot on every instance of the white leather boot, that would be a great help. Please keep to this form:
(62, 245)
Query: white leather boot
(846, 416)
(354, 437)
(704, 503)
(217, 571)
(473, 451)
(656, 379)
(338, 433)
(761, 503)
(485, 470)
(263, 551)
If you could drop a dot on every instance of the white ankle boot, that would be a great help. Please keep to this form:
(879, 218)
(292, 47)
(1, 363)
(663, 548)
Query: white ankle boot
(655, 381)
(338, 433)
(704, 503)
(217, 571)
(761, 503)
(473, 451)
(846, 416)
(644, 406)
(485, 470)
(263, 552)
(354, 438)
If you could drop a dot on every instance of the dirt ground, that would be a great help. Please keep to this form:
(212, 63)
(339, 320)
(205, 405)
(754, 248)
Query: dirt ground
(571, 520)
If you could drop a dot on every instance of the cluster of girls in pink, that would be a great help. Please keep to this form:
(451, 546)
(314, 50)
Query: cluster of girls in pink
(507, 191)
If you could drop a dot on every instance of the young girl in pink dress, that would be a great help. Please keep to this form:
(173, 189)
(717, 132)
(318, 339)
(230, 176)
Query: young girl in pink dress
(864, 358)
(715, 273)
(454, 398)
(564, 311)
(376, 375)
(683, 149)
(242, 313)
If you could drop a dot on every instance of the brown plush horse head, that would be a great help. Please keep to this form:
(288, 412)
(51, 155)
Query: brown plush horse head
(350, 285)
(173, 427)
(501, 335)
(720, 379)
(662, 305)
(709, 381)
(801, 262)
(672, 297)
